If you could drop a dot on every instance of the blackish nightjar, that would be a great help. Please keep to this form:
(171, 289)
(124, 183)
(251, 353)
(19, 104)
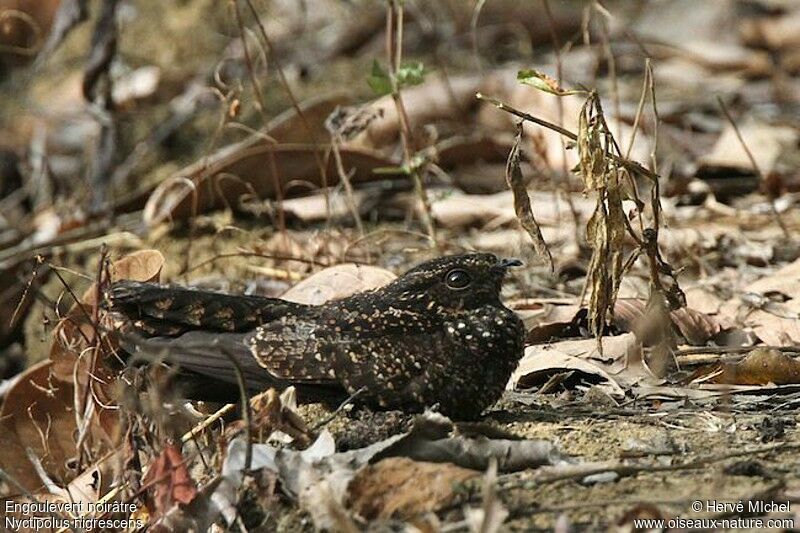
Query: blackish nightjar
(438, 335)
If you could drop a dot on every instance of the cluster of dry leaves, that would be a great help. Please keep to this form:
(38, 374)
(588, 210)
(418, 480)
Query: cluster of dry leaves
(648, 180)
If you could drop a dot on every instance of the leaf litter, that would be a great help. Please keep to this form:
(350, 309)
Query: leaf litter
(659, 297)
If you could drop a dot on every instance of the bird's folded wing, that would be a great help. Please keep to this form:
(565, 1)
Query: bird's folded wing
(402, 364)
(294, 349)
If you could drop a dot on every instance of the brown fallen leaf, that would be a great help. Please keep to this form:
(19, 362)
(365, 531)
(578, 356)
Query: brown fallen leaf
(321, 206)
(337, 282)
(770, 305)
(235, 172)
(399, 487)
(760, 367)
(765, 141)
(545, 319)
(38, 415)
(539, 364)
(439, 98)
(696, 327)
(170, 479)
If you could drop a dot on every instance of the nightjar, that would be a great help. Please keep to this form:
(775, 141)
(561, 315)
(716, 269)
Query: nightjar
(437, 336)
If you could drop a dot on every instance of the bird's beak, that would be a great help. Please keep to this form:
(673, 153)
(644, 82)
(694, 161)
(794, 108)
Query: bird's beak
(507, 262)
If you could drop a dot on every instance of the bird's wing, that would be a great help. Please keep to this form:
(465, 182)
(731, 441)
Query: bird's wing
(295, 349)
(158, 310)
(405, 367)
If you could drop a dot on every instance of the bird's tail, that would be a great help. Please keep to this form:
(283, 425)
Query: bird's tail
(159, 310)
(208, 363)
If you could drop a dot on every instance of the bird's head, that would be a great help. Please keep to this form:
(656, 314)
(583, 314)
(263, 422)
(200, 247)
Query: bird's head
(454, 282)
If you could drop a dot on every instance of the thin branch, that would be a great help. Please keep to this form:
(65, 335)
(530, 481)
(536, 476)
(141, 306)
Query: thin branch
(757, 169)
(632, 166)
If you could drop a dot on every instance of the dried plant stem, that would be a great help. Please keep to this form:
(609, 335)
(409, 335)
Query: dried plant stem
(243, 398)
(262, 110)
(612, 63)
(344, 177)
(256, 254)
(323, 174)
(581, 471)
(656, 194)
(631, 166)
(394, 49)
(756, 168)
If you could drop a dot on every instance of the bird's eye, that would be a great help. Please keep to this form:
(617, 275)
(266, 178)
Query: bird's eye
(457, 279)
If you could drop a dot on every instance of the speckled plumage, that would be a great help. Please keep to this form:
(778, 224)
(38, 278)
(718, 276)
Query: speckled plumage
(438, 335)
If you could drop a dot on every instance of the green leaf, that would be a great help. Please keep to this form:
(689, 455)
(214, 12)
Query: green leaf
(410, 74)
(378, 80)
(543, 82)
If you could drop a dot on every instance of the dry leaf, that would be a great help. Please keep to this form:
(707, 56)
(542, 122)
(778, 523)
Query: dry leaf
(765, 141)
(760, 367)
(224, 178)
(322, 206)
(541, 362)
(38, 414)
(771, 306)
(522, 202)
(697, 328)
(338, 282)
(399, 487)
(170, 478)
(437, 99)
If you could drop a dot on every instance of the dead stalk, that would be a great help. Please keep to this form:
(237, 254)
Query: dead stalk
(394, 49)
(761, 178)
(273, 167)
(632, 166)
(267, 43)
(344, 177)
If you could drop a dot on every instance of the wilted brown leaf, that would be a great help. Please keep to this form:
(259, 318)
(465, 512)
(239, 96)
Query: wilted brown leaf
(542, 361)
(771, 305)
(233, 173)
(522, 202)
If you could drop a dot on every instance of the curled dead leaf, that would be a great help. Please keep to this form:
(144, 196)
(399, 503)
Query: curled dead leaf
(541, 362)
(236, 172)
(522, 202)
